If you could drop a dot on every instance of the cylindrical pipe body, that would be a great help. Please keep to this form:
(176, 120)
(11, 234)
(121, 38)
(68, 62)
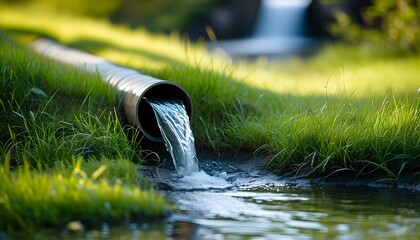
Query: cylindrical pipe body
(135, 86)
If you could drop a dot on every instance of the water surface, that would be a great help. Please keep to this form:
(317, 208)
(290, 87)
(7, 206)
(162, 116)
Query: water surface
(229, 202)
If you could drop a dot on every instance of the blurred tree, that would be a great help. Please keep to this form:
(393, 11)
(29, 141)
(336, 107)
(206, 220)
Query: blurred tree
(322, 14)
(392, 22)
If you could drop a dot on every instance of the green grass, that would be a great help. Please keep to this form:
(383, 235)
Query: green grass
(30, 199)
(347, 110)
(65, 156)
(324, 113)
(358, 138)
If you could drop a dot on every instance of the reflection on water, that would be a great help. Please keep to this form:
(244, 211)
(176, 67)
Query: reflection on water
(248, 204)
(256, 205)
(301, 213)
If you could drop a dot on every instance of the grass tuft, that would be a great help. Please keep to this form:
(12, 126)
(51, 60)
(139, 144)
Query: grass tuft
(381, 137)
(30, 198)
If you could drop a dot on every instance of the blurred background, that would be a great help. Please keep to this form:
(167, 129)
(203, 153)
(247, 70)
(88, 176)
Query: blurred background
(257, 27)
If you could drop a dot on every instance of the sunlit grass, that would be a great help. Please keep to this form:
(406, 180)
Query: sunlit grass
(32, 198)
(347, 136)
(347, 108)
(64, 154)
(335, 68)
(130, 46)
(52, 112)
(360, 72)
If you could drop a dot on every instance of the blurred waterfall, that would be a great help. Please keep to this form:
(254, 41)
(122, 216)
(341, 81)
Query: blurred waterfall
(280, 31)
(281, 18)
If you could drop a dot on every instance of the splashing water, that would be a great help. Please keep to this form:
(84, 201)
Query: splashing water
(174, 125)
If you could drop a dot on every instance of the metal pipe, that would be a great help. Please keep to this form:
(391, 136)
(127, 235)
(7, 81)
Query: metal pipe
(135, 86)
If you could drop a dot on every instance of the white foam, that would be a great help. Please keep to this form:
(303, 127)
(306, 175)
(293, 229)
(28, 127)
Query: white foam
(202, 181)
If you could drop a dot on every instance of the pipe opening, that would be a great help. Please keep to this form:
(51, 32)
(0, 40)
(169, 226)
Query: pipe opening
(146, 116)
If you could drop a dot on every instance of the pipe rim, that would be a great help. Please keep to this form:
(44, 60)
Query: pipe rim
(148, 124)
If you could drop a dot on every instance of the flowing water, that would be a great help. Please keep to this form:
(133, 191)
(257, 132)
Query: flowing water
(237, 200)
(281, 18)
(280, 31)
(174, 125)
(233, 200)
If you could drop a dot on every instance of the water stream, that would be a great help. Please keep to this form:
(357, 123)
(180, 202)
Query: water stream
(174, 125)
(237, 199)
(250, 204)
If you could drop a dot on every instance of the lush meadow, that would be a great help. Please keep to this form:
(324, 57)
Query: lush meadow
(350, 110)
(65, 155)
